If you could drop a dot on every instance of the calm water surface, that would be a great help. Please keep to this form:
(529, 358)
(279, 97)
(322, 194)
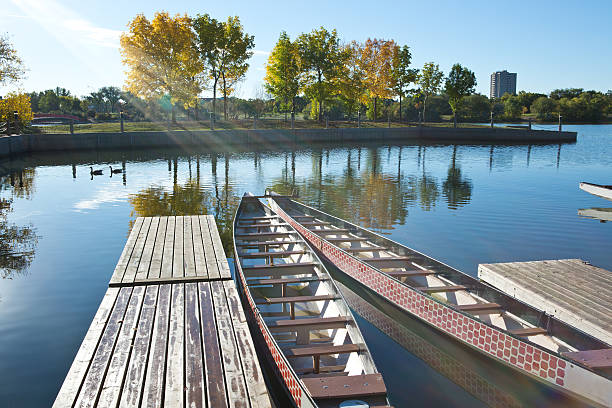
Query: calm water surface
(62, 233)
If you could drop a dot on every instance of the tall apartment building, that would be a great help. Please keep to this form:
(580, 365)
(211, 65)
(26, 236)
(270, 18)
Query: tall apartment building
(503, 82)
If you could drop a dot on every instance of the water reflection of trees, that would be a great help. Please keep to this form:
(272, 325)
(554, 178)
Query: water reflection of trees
(191, 197)
(17, 243)
(373, 197)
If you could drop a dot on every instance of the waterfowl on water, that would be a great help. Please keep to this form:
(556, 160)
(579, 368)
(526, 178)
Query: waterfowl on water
(116, 171)
(95, 172)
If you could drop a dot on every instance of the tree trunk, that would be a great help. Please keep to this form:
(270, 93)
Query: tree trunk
(424, 105)
(375, 109)
(454, 119)
(400, 108)
(224, 96)
(320, 96)
(173, 114)
(214, 110)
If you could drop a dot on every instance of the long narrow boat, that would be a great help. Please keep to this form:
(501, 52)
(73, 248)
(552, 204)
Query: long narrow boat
(459, 305)
(307, 330)
(597, 189)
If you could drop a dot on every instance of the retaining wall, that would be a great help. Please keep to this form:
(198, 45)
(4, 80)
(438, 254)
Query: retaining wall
(10, 145)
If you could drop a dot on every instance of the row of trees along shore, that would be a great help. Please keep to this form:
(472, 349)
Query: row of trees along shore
(172, 60)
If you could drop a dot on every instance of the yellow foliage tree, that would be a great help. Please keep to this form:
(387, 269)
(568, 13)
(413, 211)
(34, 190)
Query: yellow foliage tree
(19, 102)
(377, 62)
(351, 84)
(162, 59)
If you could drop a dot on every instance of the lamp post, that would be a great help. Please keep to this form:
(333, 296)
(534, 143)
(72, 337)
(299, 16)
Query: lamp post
(16, 115)
(121, 119)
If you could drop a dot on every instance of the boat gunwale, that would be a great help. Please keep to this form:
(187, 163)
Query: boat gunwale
(450, 306)
(351, 321)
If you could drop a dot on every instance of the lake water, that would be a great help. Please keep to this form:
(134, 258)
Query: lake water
(62, 233)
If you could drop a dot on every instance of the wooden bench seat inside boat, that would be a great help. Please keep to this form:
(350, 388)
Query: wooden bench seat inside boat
(351, 386)
(315, 223)
(260, 226)
(322, 350)
(285, 281)
(301, 217)
(347, 239)
(365, 249)
(263, 217)
(528, 331)
(295, 268)
(276, 254)
(595, 359)
(257, 235)
(334, 370)
(332, 231)
(410, 273)
(295, 299)
(437, 289)
(255, 244)
(481, 308)
(388, 262)
(314, 323)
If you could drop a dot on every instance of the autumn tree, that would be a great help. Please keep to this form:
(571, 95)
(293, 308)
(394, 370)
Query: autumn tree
(401, 73)
(429, 81)
(377, 61)
(459, 84)
(162, 59)
(11, 66)
(283, 76)
(224, 48)
(321, 56)
(352, 88)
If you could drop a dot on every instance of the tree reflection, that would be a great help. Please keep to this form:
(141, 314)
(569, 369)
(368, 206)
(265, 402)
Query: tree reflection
(17, 243)
(371, 195)
(456, 190)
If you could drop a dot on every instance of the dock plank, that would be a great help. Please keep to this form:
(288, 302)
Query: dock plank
(173, 393)
(198, 248)
(145, 260)
(188, 251)
(178, 263)
(158, 249)
(134, 262)
(563, 288)
(195, 395)
(222, 265)
(127, 251)
(211, 259)
(168, 257)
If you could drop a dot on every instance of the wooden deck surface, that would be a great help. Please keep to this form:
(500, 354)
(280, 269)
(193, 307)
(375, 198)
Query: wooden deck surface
(179, 340)
(569, 289)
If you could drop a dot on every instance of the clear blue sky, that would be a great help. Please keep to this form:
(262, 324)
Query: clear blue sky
(550, 44)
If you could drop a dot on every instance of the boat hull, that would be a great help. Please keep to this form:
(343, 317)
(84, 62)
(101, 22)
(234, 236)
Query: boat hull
(515, 353)
(598, 190)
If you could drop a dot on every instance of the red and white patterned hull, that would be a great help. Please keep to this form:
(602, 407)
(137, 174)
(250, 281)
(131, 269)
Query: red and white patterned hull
(491, 341)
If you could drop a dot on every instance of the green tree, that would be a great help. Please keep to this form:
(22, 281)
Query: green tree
(401, 73)
(429, 81)
(377, 58)
(49, 102)
(111, 95)
(544, 107)
(224, 48)
(459, 84)
(352, 81)
(512, 107)
(321, 57)
(161, 59)
(283, 79)
(566, 93)
(11, 66)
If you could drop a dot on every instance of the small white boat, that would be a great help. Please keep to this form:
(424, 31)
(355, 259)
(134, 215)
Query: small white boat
(305, 327)
(597, 189)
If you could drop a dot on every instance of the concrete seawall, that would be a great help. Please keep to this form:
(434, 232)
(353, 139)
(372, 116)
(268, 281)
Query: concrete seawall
(12, 145)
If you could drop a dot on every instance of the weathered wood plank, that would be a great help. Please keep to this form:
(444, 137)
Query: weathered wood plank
(156, 366)
(134, 381)
(127, 251)
(158, 250)
(178, 265)
(224, 270)
(132, 267)
(258, 393)
(78, 370)
(188, 251)
(198, 248)
(209, 251)
(194, 360)
(111, 390)
(215, 379)
(175, 366)
(168, 258)
(229, 352)
(147, 253)
(90, 390)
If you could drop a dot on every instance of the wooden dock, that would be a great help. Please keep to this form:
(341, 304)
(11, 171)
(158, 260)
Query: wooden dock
(170, 330)
(571, 290)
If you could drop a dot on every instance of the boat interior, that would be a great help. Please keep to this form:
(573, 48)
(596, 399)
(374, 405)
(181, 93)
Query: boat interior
(302, 308)
(453, 288)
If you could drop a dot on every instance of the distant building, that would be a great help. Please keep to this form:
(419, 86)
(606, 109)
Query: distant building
(503, 82)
